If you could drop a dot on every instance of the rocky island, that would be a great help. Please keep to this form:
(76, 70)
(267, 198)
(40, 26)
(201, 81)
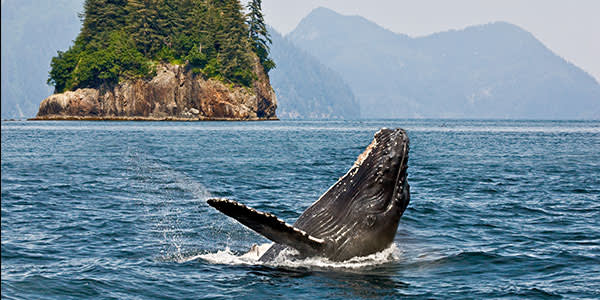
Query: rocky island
(173, 94)
(164, 60)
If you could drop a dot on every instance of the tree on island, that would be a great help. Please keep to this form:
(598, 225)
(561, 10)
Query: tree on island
(259, 35)
(125, 39)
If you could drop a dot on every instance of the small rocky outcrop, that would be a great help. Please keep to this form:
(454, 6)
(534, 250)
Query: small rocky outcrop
(175, 93)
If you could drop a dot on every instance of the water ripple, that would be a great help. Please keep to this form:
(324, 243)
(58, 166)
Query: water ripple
(499, 209)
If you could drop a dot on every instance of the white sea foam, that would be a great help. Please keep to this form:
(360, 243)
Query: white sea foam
(286, 259)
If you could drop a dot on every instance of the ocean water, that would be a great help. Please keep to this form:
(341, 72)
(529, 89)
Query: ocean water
(117, 210)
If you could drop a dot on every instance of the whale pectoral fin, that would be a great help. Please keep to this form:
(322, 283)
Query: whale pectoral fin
(269, 226)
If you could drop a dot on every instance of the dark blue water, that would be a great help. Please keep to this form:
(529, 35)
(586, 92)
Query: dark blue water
(499, 209)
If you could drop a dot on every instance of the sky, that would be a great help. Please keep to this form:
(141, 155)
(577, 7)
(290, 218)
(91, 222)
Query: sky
(570, 28)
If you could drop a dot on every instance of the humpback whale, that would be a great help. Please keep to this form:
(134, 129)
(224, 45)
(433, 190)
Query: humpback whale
(357, 216)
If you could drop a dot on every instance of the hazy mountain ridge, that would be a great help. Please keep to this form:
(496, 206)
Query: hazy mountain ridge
(496, 70)
(306, 88)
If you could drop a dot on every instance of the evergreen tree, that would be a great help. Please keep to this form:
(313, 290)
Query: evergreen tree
(101, 17)
(143, 26)
(169, 20)
(234, 44)
(259, 35)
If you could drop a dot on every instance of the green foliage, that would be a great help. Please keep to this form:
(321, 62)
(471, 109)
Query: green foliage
(107, 65)
(183, 43)
(196, 70)
(98, 65)
(268, 64)
(196, 57)
(243, 76)
(120, 38)
(212, 68)
(61, 69)
(165, 54)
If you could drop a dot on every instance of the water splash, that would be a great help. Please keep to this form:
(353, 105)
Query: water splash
(165, 195)
(286, 259)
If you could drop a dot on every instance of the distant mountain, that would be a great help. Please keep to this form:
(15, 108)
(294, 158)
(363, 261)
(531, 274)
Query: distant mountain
(306, 88)
(496, 70)
(32, 32)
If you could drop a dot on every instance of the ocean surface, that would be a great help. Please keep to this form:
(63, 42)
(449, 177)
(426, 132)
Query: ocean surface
(117, 210)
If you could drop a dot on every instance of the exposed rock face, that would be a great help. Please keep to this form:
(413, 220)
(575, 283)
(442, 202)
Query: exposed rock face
(173, 94)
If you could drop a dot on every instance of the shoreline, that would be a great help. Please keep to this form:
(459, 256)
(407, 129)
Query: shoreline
(139, 118)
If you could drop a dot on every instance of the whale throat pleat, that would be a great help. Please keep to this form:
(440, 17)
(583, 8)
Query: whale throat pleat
(269, 226)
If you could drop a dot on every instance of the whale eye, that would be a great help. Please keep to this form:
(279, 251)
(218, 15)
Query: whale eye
(370, 220)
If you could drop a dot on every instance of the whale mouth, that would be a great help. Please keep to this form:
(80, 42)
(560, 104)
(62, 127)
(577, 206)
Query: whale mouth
(398, 152)
(401, 184)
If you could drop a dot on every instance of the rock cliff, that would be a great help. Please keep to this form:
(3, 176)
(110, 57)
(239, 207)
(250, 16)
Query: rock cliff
(175, 93)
